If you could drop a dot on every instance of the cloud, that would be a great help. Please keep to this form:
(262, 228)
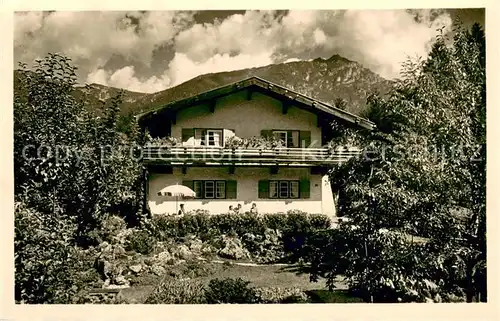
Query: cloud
(126, 78)
(182, 68)
(92, 39)
(380, 40)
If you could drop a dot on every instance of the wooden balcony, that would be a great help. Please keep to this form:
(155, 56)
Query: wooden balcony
(189, 156)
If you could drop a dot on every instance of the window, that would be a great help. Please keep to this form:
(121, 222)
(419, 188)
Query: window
(220, 190)
(199, 137)
(273, 189)
(208, 137)
(213, 138)
(210, 189)
(283, 189)
(198, 188)
(290, 138)
(281, 135)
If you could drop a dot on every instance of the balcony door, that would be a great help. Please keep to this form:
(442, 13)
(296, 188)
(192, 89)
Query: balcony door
(289, 138)
(213, 138)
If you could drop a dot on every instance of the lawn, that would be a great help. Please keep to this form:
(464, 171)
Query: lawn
(258, 276)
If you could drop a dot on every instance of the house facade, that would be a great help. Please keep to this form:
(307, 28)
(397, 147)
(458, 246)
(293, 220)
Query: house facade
(244, 143)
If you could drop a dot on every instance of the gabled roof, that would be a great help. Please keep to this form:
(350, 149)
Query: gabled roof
(266, 87)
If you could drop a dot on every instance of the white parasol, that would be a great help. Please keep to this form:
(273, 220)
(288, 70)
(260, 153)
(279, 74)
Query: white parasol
(177, 190)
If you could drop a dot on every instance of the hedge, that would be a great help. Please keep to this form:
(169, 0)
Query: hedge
(293, 228)
(205, 226)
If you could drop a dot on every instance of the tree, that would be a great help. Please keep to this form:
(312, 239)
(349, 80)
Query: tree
(422, 175)
(72, 169)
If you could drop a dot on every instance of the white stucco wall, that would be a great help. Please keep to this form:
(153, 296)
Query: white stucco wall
(320, 200)
(248, 117)
(327, 197)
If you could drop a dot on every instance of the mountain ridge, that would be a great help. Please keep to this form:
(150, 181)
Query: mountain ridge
(327, 80)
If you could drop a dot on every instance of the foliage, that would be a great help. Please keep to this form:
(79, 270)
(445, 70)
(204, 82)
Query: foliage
(203, 224)
(326, 296)
(111, 228)
(257, 142)
(422, 174)
(280, 295)
(230, 291)
(141, 242)
(172, 291)
(72, 167)
(43, 253)
(266, 237)
(163, 141)
(65, 154)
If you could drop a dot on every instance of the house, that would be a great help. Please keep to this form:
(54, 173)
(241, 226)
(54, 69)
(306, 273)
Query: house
(248, 142)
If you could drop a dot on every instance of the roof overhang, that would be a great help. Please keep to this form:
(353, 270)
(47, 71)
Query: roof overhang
(266, 87)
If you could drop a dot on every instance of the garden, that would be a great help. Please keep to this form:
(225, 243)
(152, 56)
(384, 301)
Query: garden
(201, 258)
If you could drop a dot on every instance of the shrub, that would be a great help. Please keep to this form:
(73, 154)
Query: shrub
(280, 295)
(266, 237)
(172, 291)
(111, 228)
(230, 291)
(299, 227)
(44, 257)
(326, 296)
(141, 242)
(164, 227)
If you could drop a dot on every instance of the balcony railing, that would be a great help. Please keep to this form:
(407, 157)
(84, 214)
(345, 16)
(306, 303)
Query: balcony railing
(246, 156)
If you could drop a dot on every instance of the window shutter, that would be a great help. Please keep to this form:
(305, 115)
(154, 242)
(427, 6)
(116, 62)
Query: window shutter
(293, 138)
(231, 189)
(305, 138)
(264, 189)
(305, 189)
(266, 133)
(189, 184)
(187, 133)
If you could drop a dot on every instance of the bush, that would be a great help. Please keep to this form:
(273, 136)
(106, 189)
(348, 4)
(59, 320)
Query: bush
(266, 237)
(141, 242)
(44, 257)
(280, 295)
(172, 291)
(230, 291)
(111, 228)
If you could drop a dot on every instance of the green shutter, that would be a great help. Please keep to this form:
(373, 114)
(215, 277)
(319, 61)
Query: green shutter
(231, 189)
(189, 184)
(266, 133)
(187, 133)
(305, 138)
(264, 189)
(289, 142)
(305, 189)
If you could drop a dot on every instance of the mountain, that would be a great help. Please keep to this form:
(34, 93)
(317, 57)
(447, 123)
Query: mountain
(324, 79)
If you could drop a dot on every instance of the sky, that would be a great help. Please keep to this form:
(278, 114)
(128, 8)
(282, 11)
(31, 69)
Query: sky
(150, 51)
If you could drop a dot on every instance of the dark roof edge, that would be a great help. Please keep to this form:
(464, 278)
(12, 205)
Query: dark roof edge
(278, 89)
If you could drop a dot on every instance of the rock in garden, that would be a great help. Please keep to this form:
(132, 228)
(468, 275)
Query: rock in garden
(233, 249)
(136, 268)
(149, 260)
(183, 252)
(164, 258)
(121, 280)
(196, 246)
(206, 249)
(158, 270)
